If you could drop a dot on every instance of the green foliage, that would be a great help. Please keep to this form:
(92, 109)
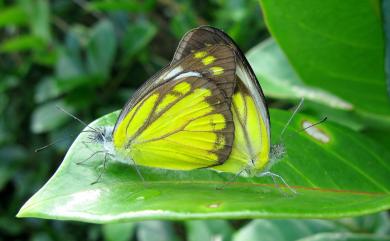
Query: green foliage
(279, 80)
(355, 69)
(90, 56)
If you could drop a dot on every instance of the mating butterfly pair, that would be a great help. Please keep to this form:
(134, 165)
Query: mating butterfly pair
(204, 110)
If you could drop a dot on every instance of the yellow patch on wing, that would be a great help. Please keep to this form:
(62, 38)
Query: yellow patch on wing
(137, 117)
(217, 70)
(182, 88)
(168, 99)
(200, 54)
(208, 60)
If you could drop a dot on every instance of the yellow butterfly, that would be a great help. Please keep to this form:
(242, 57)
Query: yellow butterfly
(205, 110)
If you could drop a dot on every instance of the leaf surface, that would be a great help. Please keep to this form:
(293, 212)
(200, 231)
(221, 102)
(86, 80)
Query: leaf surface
(336, 172)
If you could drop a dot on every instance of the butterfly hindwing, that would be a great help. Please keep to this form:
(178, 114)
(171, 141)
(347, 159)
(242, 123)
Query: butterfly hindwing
(251, 144)
(183, 124)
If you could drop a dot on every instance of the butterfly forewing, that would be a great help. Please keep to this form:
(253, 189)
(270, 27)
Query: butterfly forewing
(216, 63)
(184, 124)
(198, 38)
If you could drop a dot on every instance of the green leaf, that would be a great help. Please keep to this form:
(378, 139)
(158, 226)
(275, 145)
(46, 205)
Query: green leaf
(38, 13)
(122, 5)
(46, 89)
(279, 80)
(118, 231)
(183, 20)
(378, 223)
(284, 230)
(12, 157)
(335, 171)
(337, 46)
(101, 49)
(386, 27)
(380, 136)
(13, 15)
(47, 117)
(345, 237)
(21, 43)
(199, 230)
(137, 37)
(8, 82)
(69, 64)
(156, 231)
(70, 72)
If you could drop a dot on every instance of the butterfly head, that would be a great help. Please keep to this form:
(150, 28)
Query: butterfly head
(277, 151)
(103, 135)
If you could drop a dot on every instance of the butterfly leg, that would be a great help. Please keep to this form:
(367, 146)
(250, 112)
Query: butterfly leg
(101, 172)
(273, 175)
(92, 155)
(233, 179)
(138, 171)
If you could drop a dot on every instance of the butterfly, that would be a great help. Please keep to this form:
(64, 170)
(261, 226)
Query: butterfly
(206, 109)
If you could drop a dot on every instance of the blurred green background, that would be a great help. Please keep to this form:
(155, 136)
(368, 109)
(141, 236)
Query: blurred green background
(89, 57)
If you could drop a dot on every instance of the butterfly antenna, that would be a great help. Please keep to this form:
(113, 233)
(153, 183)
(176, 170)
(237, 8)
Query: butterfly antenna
(56, 142)
(71, 115)
(317, 123)
(53, 143)
(82, 122)
(299, 106)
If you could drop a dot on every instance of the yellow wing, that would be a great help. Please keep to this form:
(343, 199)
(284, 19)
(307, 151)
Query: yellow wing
(183, 124)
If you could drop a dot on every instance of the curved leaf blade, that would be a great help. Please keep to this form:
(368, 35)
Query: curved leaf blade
(346, 176)
(337, 46)
(279, 80)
